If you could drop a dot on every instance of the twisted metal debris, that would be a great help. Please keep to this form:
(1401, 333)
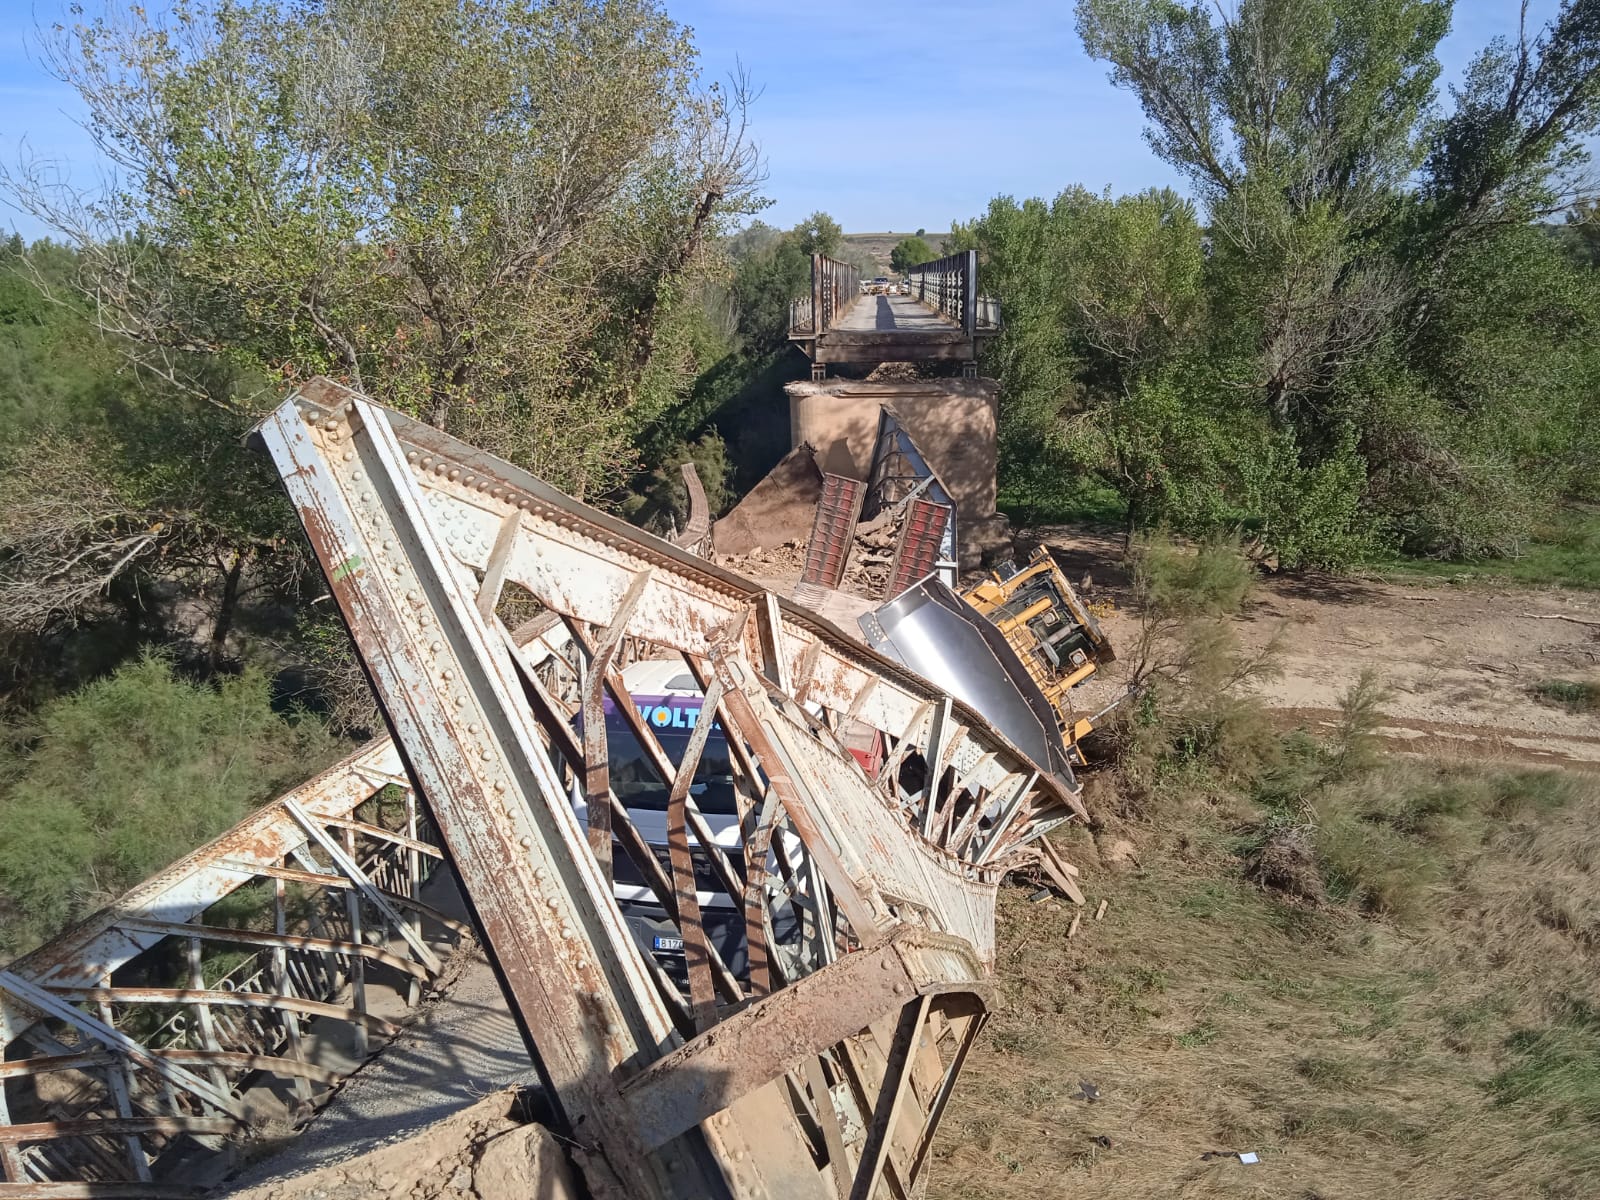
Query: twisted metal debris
(875, 817)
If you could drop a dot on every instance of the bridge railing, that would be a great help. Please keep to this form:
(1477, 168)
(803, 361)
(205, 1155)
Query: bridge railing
(835, 286)
(950, 284)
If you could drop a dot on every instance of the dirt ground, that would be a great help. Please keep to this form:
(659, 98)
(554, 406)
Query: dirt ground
(1459, 661)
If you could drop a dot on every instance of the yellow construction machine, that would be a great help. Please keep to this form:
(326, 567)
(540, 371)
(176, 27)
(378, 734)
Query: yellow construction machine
(1051, 629)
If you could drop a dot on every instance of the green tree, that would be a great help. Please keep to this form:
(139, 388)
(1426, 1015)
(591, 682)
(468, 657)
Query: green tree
(486, 213)
(1332, 293)
(1513, 146)
(819, 234)
(115, 489)
(108, 785)
(910, 252)
(767, 279)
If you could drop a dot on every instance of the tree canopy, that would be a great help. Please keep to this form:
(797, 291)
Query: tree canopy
(910, 252)
(1361, 339)
(486, 213)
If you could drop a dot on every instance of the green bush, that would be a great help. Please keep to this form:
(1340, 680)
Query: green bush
(1576, 696)
(119, 779)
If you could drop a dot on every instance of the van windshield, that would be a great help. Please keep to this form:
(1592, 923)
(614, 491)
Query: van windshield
(636, 783)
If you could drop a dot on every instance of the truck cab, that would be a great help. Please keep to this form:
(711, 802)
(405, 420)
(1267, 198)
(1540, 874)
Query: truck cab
(667, 698)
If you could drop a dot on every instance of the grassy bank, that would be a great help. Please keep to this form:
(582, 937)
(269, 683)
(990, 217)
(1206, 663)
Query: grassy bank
(1377, 973)
(1432, 1025)
(1562, 552)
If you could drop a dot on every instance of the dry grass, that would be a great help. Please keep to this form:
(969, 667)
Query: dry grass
(1448, 1050)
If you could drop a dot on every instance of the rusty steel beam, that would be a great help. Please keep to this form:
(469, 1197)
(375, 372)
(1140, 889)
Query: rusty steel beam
(828, 549)
(264, 1001)
(780, 1032)
(412, 528)
(43, 1131)
(916, 554)
(100, 1190)
(576, 985)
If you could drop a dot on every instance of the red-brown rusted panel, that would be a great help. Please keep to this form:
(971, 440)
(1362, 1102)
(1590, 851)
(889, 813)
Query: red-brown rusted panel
(832, 531)
(917, 554)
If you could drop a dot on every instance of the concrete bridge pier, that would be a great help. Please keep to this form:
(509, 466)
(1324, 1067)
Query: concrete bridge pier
(952, 421)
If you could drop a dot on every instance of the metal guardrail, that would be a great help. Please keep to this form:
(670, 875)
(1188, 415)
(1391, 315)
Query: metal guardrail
(950, 284)
(835, 286)
(818, 1062)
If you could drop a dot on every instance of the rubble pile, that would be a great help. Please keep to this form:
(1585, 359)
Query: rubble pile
(486, 1152)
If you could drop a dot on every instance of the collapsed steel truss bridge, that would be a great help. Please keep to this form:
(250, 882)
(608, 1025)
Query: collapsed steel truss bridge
(875, 818)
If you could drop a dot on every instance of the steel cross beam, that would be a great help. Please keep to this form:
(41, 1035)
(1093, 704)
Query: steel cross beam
(837, 866)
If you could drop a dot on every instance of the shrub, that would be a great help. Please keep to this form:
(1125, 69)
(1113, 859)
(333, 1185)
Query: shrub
(1196, 711)
(1557, 1070)
(1576, 696)
(122, 777)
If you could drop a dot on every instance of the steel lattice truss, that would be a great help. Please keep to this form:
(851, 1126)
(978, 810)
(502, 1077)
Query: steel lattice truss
(817, 1066)
(822, 1069)
(137, 1043)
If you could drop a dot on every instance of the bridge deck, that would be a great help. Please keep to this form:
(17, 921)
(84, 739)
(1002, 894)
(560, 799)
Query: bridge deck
(892, 314)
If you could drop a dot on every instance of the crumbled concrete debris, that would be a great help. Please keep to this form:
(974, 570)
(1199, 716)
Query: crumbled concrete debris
(480, 1153)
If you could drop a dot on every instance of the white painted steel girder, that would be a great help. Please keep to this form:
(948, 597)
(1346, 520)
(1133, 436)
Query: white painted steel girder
(573, 976)
(579, 561)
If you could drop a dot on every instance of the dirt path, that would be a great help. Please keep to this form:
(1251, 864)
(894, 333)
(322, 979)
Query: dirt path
(1459, 660)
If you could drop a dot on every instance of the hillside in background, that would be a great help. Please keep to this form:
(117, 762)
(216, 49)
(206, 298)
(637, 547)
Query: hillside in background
(879, 245)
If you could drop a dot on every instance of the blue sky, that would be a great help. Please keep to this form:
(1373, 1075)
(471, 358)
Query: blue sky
(889, 115)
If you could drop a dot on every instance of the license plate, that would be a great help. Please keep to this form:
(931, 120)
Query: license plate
(669, 943)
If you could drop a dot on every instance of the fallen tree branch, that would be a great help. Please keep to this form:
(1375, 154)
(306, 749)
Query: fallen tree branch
(1562, 617)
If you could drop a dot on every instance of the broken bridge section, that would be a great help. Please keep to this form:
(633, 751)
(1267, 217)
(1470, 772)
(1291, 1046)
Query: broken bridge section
(817, 1062)
(940, 316)
(235, 988)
